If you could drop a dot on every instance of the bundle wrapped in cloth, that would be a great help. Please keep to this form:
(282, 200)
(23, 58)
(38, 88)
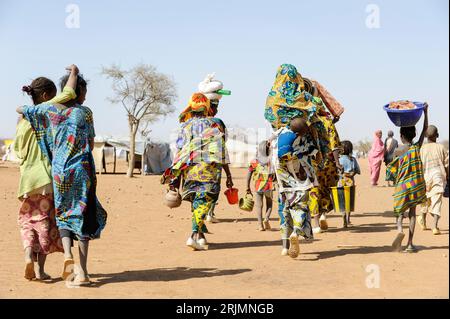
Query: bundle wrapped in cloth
(330, 102)
(287, 98)
(212, 88)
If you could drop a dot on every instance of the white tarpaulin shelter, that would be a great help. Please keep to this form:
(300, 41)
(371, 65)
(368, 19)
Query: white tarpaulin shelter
(154, 157)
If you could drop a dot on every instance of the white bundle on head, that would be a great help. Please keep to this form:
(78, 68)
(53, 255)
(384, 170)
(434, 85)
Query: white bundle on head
(209, 86)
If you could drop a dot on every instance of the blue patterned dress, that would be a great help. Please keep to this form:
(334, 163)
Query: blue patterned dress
(63, 135)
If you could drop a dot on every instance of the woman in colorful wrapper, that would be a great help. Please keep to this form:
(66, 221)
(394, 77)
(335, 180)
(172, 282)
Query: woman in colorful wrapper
(289, 98)
(406, 171)
(326, 165)
(65, 133)
(376, 157)
(198, 164)
(37, 213)
(209, 87)
(262, 170)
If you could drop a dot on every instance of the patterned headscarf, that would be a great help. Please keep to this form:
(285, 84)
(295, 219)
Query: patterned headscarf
(288, 99)
(198, 103)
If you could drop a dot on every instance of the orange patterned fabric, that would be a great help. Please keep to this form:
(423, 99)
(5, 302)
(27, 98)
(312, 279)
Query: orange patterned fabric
(198, 103)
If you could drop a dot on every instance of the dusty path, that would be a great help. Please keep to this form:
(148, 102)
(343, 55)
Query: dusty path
(142, 252)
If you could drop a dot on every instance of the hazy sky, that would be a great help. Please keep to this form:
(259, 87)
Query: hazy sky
(243, 42)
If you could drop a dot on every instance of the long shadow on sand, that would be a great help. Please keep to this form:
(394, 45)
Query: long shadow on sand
(163, 274)
(365, 228)
(244, 219)
(386, 214)
(248, 244)
(364, 251)
(244, 244)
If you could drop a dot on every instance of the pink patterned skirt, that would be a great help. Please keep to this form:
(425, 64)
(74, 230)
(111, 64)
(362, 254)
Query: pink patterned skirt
(38, 225)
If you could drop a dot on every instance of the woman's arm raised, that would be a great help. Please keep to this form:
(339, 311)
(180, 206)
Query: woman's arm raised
(425, 124)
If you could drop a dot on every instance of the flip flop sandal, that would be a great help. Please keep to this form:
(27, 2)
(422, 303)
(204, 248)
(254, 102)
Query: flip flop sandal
(421, 222)
(85, 282)
(323, 224)
(397, 243)
(267, 225)
(410, 250)
(29, 271)
(68, 268)
(294, 247)
(44, 278)
(436, 231)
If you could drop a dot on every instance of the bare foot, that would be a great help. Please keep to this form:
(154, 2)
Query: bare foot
(67, 268)
(29, 271)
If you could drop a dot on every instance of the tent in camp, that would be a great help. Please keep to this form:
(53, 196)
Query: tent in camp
(151, 157)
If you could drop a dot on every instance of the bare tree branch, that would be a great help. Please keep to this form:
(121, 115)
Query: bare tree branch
(145, 94)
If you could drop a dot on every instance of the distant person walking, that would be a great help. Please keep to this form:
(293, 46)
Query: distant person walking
(435, 169)
(390, 145)
(376, 156)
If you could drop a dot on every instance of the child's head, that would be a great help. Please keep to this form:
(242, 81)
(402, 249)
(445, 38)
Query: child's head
(299, 126)
(347, 147)
(263, 149)
(407, 134)
(80, 89)
(432, 133)
(41, 90)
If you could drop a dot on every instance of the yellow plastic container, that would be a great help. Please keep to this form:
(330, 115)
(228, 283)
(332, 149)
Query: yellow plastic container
(343, 198)
(246, 203)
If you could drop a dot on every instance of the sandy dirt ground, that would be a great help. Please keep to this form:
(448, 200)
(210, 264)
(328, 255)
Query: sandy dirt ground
(142, 252)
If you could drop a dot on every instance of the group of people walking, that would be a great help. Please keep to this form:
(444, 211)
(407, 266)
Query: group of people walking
(302, 160)
(418, 171)
(57, 189)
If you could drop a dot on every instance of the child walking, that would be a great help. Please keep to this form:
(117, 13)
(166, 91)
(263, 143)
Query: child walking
(294, 180)
(36, 219)
(350, 168)
(406, 172)
(435, 169)
(263, 175)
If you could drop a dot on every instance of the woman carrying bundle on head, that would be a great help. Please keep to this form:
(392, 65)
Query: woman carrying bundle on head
(290, 97)
(212, 89)
(406, 171)
(197, 166)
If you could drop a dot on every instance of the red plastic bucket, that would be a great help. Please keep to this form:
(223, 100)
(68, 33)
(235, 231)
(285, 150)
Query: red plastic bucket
(232, 195)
